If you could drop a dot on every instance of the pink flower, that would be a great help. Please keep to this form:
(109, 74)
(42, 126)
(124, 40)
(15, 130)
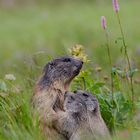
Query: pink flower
(103, 22)
(115, 5)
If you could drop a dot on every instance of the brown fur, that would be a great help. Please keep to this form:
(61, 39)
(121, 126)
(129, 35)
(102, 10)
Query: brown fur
(48, 97)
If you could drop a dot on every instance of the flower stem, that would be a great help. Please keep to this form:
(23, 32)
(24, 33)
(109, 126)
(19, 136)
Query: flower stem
(127, 58)
(110, 61)
(84, 83)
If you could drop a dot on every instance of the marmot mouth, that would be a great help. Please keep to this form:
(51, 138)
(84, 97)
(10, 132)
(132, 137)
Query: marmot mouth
(77, 70)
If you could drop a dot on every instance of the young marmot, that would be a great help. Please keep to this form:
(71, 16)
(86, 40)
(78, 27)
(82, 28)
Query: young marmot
(82, 118)
(48, 97)
(95, 120)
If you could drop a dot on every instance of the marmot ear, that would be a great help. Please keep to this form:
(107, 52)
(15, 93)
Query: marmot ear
(51, 65)
(48, 66)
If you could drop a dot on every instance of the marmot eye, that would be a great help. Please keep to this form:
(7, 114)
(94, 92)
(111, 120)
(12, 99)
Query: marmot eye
(67, 60)
(69, 102)
(51, 63)
(72, 98)
(86, 95)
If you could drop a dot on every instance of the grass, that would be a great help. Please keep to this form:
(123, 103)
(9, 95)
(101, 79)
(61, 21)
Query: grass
(31, 36)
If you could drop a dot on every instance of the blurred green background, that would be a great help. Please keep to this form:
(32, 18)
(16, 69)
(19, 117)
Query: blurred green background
(29, 26)
(34, 31)
(42, 29)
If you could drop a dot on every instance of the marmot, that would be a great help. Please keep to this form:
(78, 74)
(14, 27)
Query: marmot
(48, 97)
(96, 122)
(82, 117)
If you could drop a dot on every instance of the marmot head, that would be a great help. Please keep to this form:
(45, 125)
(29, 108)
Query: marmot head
(73, 103)
(62, 69)
(90, 101)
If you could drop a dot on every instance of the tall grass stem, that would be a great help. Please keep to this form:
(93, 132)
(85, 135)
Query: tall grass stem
(110, 61)
(104, 26)
(127, 57)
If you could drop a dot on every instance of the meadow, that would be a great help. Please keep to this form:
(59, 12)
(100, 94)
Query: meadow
(33, 34)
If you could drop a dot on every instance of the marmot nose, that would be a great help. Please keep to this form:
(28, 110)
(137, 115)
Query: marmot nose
(78, 63)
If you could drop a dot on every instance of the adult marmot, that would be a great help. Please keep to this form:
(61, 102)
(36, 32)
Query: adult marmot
(82, 118)
(48, 97)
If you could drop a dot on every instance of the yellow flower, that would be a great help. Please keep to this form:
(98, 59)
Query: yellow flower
(98, 69)
(105, 77)
(78, 52)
